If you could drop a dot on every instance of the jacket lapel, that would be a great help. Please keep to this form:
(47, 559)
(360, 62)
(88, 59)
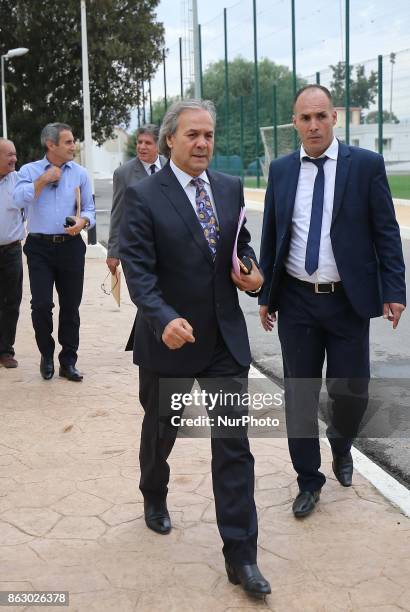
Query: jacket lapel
(139, 170)
(180, 201)
(292, 185)
(342, 171)
(221, 197)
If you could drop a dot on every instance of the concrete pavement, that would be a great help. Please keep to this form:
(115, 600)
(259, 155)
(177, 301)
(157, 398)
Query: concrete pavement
(71, 515)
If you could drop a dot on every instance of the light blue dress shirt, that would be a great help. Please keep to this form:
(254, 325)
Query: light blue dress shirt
(46, 214)
(11, 219)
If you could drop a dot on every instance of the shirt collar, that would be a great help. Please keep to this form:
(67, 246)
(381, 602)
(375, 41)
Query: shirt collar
(47, 164)
(8, 176)
(331, 152)
(184, 178)
(147, 166)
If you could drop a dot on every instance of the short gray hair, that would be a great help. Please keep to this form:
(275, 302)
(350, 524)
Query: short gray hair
(52, 132)
(149, 128)
(170, 120)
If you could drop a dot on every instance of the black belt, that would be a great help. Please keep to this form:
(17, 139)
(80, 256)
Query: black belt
(4, 247)
(319, 288)
(56, 238)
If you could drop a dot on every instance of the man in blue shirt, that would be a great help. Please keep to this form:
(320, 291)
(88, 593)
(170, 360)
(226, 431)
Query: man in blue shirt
(50, 190)
(11, 267)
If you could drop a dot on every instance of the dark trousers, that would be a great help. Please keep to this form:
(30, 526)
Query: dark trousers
(232, 462)
(11, 288)
(312, 326)
(62, 265)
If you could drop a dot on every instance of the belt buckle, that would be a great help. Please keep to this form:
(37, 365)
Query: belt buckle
(317, 290)
(57, 238)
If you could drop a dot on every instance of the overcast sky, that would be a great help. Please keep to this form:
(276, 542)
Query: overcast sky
(376, 27)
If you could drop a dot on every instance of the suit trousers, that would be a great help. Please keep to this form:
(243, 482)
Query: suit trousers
(312, 326)
(11, 286)
(232, 462)
(60, 264)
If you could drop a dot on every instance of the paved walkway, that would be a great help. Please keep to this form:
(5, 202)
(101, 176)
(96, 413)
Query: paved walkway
(71, 515)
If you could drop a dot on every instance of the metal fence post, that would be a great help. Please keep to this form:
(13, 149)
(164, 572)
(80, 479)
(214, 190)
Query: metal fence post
(380, 101)
(347, 73)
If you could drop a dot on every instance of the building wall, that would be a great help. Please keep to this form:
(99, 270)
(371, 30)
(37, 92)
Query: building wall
(108, 156)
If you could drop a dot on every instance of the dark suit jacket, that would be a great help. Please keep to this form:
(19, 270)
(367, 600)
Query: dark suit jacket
(364, 232)
(128, 174)
(170, 272)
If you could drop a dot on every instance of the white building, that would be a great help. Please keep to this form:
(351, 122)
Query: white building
(108, 156)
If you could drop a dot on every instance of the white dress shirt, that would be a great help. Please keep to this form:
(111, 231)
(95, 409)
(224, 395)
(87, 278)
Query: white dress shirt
(147, 166)
(295, 263)
(11, 219)
(185, 181)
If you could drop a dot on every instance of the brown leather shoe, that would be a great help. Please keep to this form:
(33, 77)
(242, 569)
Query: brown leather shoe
(8, 361)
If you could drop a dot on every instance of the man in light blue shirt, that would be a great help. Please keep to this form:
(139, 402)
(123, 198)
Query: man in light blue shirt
(11, 266)
(56, 194)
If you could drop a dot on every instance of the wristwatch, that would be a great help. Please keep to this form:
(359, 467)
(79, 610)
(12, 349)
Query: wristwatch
(87, 222)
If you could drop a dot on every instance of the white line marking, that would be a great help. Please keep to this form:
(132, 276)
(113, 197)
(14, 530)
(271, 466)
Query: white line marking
(389, 487)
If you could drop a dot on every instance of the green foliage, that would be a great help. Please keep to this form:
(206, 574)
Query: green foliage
(241, 83)
(131, 145)
(373, 117)
(363, 90)
(124, 47)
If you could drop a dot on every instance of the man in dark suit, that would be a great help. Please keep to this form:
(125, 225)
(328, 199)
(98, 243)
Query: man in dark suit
(177, 238)
(146, 162)
(332, 259)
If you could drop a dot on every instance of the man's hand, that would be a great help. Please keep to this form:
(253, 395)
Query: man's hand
(52, 175)
(76, 229)
(177, 333)
(268, 320)
(392, 312)
(112, 263)
(248, 282)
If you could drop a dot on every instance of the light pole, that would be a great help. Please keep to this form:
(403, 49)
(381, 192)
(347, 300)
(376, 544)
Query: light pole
(86, 95)
(8, 55)
(88, 142)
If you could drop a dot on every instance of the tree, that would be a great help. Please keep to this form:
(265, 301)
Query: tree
(373, 117)
(363, 90)
(241, 83)
(124, 45)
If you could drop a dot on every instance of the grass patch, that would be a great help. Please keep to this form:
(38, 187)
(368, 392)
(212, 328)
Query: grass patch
(400, 186)
(250, 181)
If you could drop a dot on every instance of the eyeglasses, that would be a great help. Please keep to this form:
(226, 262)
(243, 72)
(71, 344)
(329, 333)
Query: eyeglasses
(103, 287)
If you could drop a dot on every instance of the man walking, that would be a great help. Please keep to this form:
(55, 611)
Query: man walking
(177, 237)
(51, 190)
(11, 267)
(146, 162)
(332, 259)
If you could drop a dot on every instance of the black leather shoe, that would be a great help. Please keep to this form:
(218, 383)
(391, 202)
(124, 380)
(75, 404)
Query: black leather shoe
(343, 469)
(71, 373)
(249, 577)
(157, 516)
(305, 503)
(46, 367)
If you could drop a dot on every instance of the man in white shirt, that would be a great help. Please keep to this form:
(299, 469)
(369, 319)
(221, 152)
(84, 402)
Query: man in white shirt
(11, 268)
(332, 259)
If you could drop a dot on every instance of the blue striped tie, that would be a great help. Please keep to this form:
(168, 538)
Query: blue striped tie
(315, 227)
